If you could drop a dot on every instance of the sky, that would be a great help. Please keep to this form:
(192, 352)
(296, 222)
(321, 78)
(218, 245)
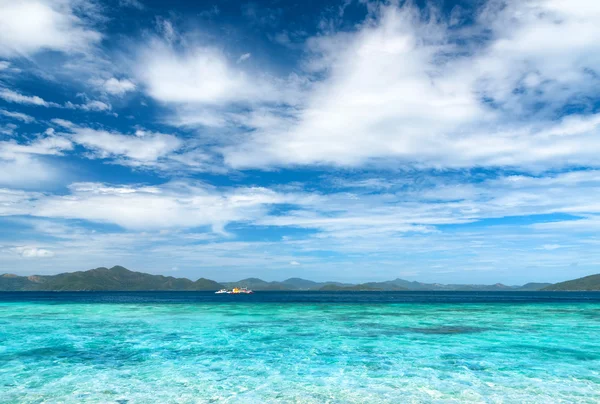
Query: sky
(440, 141)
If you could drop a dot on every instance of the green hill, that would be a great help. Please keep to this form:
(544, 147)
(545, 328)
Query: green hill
(119, 278)
(533, 286)
(300, 284)
(370, 286)
(115, 278)
(591, 282)
(256, 284)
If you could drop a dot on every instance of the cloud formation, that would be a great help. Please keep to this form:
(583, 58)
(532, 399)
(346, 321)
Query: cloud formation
(33, 252)
(17, 98)
(17, 115)
(409, 137)
(32, 26)
(168, 206)
(118, 87)
(402, 90)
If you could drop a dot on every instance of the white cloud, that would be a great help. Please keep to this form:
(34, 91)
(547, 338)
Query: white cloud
(399, 91)
(143, 147)
(118, 87)
(244, 57)
(404, 91)
(96, 105)
(367, 230)
(17, 115)
(33, 252)
(8, 129)
(340, 215)
(14, 97)
(90, 105)
(169, 206)
(18, 98)
(31, 26)
(63, 123)
(27, 171)
(21, 165)
(365, 215)
(200, 75)
(48, 145)
(544, 48)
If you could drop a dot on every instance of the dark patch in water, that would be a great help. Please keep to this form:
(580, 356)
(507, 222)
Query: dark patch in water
(171, 337)
(110, 356)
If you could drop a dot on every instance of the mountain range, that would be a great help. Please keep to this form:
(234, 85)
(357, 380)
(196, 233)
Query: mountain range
(119, 278)
(591, 282)
(115, 278)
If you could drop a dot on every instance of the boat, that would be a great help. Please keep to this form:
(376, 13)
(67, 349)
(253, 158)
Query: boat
(235, 291)
(241, 291)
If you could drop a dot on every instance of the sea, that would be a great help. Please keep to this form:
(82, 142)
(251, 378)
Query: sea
(300, 347)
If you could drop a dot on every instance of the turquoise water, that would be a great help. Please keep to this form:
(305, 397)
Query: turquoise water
(137, 350)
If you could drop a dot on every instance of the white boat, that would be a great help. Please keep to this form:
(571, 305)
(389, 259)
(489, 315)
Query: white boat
(235, 291)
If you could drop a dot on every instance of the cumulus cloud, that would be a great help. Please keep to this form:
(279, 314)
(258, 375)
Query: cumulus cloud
(545, 50)
(118, 87)
(516, 90)
(31, 26)
(33, 252)
(141, 148)
(404, 90)
(200, 75)
(201, 83)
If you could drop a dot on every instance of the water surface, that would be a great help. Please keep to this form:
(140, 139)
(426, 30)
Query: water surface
(344, 347)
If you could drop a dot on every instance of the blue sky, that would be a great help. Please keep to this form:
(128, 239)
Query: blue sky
(355, 140)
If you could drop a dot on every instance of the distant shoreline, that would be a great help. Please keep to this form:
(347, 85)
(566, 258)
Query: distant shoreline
(120, 279)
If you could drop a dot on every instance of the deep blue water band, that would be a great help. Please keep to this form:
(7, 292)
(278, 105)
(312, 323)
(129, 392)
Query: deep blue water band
(303, 297)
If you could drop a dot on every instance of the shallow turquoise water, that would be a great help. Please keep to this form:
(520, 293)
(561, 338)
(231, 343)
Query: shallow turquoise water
(299, 352)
